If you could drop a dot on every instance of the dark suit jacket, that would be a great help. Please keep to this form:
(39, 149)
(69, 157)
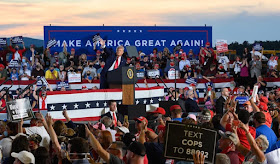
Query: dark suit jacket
(110, 57)
(119, 116)
(191, 106)
(220, 105)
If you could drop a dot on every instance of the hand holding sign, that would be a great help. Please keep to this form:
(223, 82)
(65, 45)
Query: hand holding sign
(198, 158)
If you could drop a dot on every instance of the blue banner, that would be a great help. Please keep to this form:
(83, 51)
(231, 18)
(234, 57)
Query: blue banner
(145, 38)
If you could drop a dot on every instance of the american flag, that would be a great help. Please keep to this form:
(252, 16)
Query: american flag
(89, 105)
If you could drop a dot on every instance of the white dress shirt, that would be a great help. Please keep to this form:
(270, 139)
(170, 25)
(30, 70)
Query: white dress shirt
(113, 65)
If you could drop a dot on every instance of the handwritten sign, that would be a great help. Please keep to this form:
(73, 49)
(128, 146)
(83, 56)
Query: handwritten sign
(183, 140)
(221, 46)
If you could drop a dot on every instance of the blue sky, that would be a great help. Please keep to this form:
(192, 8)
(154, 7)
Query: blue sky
(231, 20)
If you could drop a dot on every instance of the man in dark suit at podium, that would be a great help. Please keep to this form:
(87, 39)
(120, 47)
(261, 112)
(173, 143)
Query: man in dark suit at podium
(116, 117)
(112, 61)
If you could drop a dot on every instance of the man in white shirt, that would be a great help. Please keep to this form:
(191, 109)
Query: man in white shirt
(224, 61)
(25, 73)
(116, 117)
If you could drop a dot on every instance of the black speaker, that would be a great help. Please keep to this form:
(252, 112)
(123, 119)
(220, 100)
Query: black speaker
(132, 128)
(166, 105)
(133, 111)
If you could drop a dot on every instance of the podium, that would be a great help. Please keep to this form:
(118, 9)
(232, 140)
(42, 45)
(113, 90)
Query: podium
(123, 78)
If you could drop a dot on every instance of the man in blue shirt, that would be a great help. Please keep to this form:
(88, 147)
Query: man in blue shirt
(262, 128)
(176, 113)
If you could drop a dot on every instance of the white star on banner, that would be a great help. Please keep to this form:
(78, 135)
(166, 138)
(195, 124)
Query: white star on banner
(87, 105)
(151, 101)
(145, 101)
(76, 106)
(140, 30)
(64, 107)
(120, 102)
(135, 31)
(52, 107)
(123, 30)
(137, 102)
(129, 30)
(118, 30)
(159, 99)
(97, 104)
(105, 104)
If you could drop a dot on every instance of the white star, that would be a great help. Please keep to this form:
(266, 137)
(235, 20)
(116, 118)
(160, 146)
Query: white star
(97, 104)
(137, 102)
(52, 107)
(204, 90)
(140, 30)
(120, 102)
(64, 106)
(135, 31)
(87, 105)
(123, 30)
(129, 30)
(159, 99)
(76, 106)
(145, 101)
(151, 101)
(118, 30)
(105, 104)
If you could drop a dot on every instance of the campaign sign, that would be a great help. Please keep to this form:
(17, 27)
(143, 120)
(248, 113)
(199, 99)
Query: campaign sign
(221, 46)
(140, 75)
(144, 38)
(17, 39)
(153, 73)
(74, 77)
(183, 140)
(19, 109)
(51, 43)
(3, 42)
(13, 64)
(242, 99)
(172, 75)
(258, 47)
(62, 84)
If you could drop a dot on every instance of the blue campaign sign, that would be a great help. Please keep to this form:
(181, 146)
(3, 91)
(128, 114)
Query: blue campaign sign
(242, 99)
(145, 38)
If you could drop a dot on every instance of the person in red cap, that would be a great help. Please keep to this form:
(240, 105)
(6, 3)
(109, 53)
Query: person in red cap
(262, 107)
(3, 72)
(207, 56)
(176, 113)
(139, 123)
(17, 53)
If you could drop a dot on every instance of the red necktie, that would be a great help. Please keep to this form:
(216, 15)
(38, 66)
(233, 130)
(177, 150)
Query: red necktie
(43, 103)
(117, 63)
(115, 119)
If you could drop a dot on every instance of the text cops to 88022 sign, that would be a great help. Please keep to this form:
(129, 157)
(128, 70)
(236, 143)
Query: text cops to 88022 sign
(184, 140)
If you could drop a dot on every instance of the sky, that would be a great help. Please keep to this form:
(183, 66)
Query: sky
(232, 20)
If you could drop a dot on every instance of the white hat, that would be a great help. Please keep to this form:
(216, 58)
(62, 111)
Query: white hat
(123, 129)
(24, 156)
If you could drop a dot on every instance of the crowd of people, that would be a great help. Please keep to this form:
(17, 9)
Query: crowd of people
(247, 131)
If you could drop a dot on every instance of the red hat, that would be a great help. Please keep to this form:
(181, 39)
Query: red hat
(55, 53)
(192, 84)
(2, 66)
(208, 44)
(83, 87)
(173, 107)
(72, 49)
(186, 88)
(98, 52)
(264, 99)
(141, 118)
(263, 106)
(159, 110)
(161, 128)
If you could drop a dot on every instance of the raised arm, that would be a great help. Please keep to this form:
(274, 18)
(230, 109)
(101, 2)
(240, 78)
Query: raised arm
(52, 132)
(97, 146)
(34, 93)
